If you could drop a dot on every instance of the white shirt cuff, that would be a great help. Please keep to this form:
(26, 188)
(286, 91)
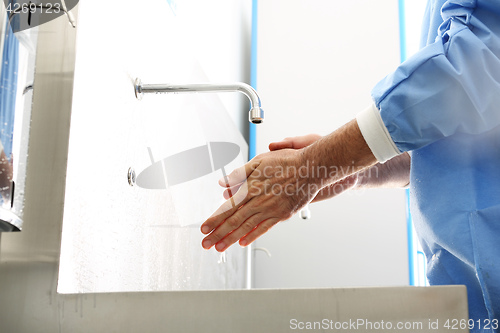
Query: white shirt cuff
(376, 135)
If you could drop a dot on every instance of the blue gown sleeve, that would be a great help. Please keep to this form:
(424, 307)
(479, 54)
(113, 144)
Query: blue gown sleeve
(451, 85)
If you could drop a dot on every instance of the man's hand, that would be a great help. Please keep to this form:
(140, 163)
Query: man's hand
(270, 188)
(275, 185)
(299, 142)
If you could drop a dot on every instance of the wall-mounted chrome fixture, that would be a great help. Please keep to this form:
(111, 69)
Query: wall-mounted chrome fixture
(256, 114)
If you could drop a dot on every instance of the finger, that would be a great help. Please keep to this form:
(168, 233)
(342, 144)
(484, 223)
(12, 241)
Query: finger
(284, 144)
(224, 182)
(228, 193)
(234, 236)
(261, 229)
(239, 175)
(229, 225)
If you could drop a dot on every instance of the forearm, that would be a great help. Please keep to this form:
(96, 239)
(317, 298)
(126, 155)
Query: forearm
(338, 155)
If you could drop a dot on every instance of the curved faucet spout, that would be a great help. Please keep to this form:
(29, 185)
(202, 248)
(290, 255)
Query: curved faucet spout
(256, 114)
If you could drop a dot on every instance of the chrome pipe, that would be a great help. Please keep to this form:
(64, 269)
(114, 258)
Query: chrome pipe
(256, 114)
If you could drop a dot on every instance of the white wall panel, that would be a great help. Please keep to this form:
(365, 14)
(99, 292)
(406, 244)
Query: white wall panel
(317, 63)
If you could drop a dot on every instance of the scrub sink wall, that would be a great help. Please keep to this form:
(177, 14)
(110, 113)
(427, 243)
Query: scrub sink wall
(122, 238)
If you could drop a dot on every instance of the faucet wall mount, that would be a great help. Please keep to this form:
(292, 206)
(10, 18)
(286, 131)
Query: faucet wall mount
(256, 114)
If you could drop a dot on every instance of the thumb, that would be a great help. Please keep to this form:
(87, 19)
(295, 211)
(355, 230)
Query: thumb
(283, 144)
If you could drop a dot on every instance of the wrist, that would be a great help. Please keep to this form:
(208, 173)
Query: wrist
(317, 175)
(337, 155)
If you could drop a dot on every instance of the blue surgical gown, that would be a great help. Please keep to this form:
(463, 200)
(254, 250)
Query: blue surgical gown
(443, 105)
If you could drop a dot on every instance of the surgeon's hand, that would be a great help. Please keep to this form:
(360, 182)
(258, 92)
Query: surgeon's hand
(299, 142)
(275, 185)
(269, 188)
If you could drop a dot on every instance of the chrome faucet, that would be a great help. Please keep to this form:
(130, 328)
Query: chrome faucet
(256, 114)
